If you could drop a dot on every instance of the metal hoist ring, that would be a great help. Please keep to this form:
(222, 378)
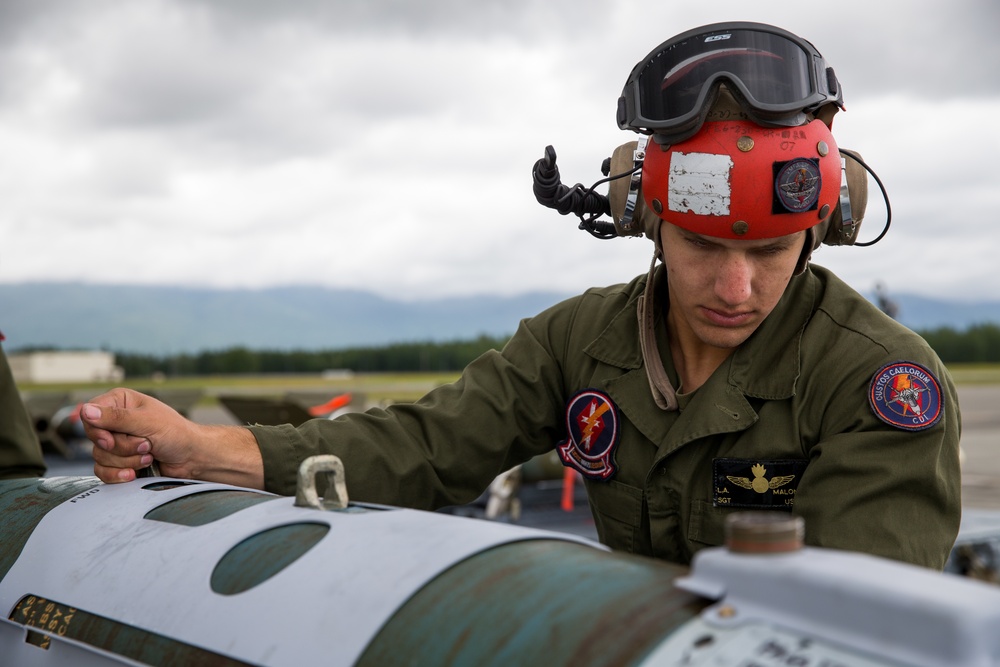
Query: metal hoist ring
(332, 468)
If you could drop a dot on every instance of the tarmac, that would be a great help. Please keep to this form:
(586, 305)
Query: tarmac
(980, 407)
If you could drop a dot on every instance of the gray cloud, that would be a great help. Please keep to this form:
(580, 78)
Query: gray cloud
(430, 19)
(388, 144)
(925, 49)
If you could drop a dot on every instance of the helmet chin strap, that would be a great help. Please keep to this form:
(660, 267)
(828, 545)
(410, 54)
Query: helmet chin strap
(664, 394)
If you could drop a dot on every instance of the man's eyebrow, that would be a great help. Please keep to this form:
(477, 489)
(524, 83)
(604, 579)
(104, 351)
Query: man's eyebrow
(693, 236)
(779, 243)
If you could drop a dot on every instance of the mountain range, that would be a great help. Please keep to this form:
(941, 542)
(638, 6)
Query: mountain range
(165, 320)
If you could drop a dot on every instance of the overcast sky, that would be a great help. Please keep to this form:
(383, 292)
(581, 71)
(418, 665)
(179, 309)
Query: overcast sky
(388, 144)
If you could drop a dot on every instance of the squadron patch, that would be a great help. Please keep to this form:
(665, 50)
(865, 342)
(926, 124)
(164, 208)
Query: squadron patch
(797, 185)
(906, 395)
(592, 422)
(756, 484)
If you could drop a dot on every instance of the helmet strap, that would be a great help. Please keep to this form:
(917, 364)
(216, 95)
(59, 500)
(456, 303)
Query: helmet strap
(807, 250)
(664, 394)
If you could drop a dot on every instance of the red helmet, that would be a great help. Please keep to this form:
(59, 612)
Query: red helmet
(738, 180)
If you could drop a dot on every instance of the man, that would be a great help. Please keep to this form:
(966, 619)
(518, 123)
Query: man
(733, 376)
(20, 451)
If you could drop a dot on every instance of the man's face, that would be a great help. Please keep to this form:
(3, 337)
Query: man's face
(722, 289)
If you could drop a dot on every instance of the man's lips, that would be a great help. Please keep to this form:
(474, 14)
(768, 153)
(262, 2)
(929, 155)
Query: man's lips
(727, 319)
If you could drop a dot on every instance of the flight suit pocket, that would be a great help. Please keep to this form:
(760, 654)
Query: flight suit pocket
(617, 513)
(707, 523)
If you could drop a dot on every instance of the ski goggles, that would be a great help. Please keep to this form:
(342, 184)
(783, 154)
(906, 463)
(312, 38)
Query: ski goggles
(775, 75)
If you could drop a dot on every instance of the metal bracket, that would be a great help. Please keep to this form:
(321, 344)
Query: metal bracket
(847, 224)
(336, 488)
(638, 157)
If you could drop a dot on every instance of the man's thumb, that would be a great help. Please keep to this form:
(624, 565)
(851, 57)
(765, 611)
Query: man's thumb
(90, 412)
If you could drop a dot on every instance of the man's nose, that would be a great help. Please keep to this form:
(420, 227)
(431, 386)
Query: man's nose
(732, 283)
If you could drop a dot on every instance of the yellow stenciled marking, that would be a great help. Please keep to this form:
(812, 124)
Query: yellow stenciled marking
(44, 614)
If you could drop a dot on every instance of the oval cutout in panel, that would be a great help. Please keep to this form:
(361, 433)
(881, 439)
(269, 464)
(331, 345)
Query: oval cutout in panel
(261, 556)
(166, 486)
(205, 507)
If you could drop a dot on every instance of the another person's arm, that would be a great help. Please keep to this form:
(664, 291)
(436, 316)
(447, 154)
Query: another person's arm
(20, 451)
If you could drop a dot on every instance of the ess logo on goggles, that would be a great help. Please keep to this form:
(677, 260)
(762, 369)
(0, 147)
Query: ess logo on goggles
(776, 76)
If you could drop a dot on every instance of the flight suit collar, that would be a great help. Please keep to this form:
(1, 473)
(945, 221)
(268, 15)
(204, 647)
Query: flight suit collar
(766, 366)
(618, 343)
(618, 346)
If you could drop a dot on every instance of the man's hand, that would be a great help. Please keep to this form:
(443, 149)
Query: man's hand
(129, 430)
(124, 425)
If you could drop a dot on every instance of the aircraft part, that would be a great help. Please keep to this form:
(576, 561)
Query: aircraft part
(163, 571)
(166, 572)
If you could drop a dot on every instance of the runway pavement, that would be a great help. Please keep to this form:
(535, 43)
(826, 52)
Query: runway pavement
(980, 405)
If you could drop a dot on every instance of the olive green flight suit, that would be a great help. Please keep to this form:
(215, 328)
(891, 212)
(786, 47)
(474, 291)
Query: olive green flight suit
(20, 451)
(793, 397)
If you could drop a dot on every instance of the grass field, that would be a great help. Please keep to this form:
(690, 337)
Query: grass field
(975, 373)
(376, 387)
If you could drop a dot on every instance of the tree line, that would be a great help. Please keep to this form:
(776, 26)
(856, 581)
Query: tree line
(978, 344)
(400, 357)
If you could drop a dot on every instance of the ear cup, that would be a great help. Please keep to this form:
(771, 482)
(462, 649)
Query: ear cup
(854, 202)
(628, 210)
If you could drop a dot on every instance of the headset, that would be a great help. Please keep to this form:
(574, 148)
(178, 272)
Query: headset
(642, 161)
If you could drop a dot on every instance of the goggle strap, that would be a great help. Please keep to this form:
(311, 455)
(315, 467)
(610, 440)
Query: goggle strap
(832, 84)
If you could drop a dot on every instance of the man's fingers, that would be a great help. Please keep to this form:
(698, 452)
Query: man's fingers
(120, 456)
(112, 468)
(112, 475)
(106, 417)
(122, 459)
(91, 416)
(119, 444)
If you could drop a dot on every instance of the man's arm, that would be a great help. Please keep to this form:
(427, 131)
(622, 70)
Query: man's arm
(129, 430)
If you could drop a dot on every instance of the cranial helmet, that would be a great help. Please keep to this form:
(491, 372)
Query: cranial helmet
(737, 179)
(735, 141)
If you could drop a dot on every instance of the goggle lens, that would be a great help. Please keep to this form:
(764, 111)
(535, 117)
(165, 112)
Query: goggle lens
(775, 74)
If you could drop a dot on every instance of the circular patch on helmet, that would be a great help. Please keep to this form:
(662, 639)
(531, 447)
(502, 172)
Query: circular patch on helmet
(906, 395)
(592, 424)
(797, 185)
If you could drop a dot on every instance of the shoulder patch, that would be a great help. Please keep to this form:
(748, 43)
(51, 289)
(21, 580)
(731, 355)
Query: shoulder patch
(906, 395)
(592, 424)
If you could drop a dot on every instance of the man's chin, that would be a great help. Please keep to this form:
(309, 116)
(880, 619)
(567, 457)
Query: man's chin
(727, 337)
